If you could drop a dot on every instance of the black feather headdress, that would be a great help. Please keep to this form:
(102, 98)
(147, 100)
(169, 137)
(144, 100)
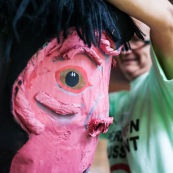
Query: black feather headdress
(50, 17)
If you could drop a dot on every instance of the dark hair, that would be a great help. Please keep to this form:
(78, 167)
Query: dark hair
(49, 17)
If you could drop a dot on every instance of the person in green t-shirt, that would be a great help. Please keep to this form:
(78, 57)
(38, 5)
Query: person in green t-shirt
(141, 137)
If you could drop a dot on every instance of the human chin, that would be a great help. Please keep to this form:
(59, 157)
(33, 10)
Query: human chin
(130, 71)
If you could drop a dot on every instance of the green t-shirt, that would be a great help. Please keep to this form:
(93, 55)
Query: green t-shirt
(143, 124)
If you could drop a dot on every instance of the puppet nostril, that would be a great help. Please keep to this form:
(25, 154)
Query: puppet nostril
(20, 82)
(16, 91)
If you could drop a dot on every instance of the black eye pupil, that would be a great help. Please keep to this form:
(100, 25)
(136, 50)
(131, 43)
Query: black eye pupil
(72, 79)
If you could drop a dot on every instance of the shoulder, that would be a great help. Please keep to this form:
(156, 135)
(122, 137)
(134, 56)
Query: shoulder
(115, 96)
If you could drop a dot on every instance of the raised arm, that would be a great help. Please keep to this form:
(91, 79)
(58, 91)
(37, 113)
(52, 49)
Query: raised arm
(158, 15)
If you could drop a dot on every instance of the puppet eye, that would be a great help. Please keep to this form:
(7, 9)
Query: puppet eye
(72, 78)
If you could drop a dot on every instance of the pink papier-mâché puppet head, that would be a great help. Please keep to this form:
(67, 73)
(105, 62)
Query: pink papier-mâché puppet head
(61, 100)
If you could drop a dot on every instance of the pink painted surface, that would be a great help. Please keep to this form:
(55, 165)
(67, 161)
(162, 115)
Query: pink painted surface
(63, 119)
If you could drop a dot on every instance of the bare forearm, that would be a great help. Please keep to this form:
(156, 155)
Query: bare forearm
(132, 7)
(147, 11)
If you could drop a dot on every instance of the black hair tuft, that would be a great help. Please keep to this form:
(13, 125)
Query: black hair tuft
(49, 17)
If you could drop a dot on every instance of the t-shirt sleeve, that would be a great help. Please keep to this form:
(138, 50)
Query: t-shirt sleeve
(157, 75)
(160, 93)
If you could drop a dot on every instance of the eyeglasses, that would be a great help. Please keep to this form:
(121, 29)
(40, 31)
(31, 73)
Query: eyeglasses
(135, 44)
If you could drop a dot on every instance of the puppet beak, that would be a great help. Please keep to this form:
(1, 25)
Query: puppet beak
(97, 126)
